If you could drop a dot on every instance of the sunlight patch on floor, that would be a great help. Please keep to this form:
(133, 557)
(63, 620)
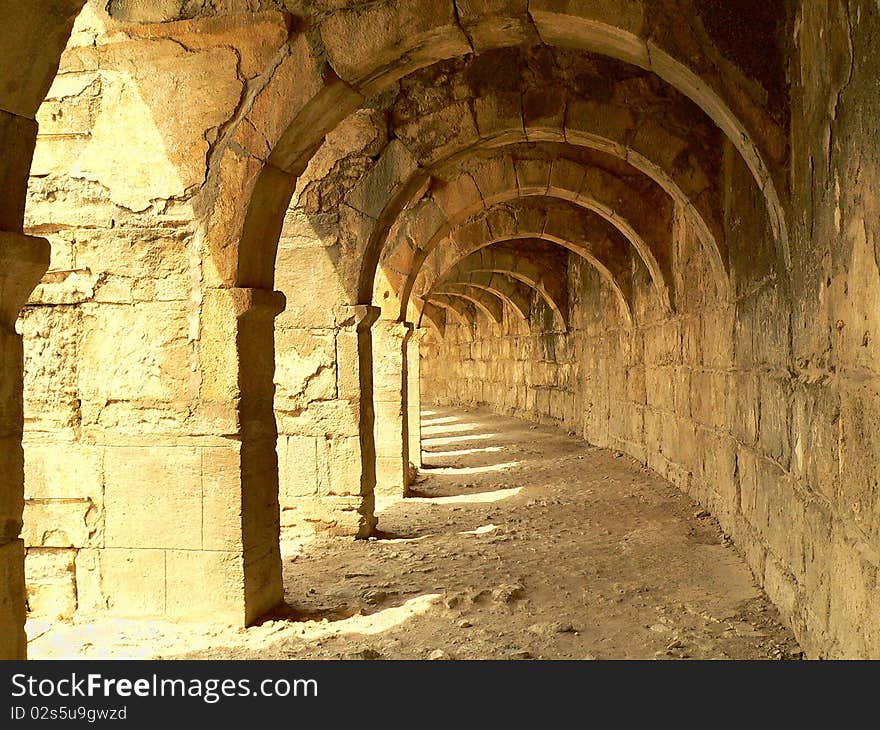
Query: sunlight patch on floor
(449, 428)
(454, 471)
(447, 440)
(142, 639)
(438, 421)
(479, 497)
(480, 530)
(465, 452)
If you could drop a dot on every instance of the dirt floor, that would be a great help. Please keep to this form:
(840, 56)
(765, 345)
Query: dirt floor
(522, 543)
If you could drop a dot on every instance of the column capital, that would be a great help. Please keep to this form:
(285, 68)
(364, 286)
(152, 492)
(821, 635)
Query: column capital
(417, 333)
(395, 328)
(260, 302)
(241, 302)
(357, 316)
(23, 261)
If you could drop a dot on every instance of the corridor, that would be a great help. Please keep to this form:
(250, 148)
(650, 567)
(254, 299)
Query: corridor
(520, 542)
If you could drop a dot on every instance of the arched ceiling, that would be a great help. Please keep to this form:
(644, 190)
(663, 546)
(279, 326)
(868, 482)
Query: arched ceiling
(655, 84)
(407, 135)
(527, 264)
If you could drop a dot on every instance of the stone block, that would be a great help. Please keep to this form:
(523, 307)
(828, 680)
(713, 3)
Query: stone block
(133, 582)
(153, 497)
(205, 585)
(402, 30)
(59, 523)
(815, 434)
(322, 419)
(859, 442)
(64, 470)
(51, 582)
(297, 468)
(659, 388)
(780, 586)
(499, 118)
(305, 367)
(339, 466)
(774, 433)
(13, 643)
(746, 405)
(90, 598)
(709, 398)
(544, 115)
(133, 352)
(496, 23)
(51, 370)
(377, 187)
(390, 476)
(148, 264)
(221, 499)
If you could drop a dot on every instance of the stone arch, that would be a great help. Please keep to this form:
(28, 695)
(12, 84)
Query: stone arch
(501, 179)
(512, 292)
(463, 311)
(266, 156)
(415, 38)
(549, 283)
(240, 283)
(658, 149)
(435, 316)
(489, 303)
(570, 227)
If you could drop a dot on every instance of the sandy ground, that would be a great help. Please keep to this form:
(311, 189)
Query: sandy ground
(522, 543)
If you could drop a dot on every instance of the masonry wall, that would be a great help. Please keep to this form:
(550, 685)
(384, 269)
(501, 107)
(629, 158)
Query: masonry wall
(323, 346)
(775, 444)
(133, 454)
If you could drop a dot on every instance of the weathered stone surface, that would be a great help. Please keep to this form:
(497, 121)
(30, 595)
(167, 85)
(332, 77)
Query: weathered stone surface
(59, 522)
(133, 352)
(133, 581)
(401, 29)
(166, 157)
(147, 490)
(306, 369)
(13, 644)
(189, 572)
(51, 582)
(722, 329)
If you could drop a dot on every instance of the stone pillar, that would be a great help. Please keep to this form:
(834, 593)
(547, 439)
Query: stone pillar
(347, 484)
(392, 443)
(414, 398)
(23, 261)
(18, 137)
(235, 575)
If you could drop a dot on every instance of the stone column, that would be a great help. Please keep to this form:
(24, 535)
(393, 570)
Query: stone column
(235, 574)
(392, 443)
(23, 261)
(347, 464)
(414, 398)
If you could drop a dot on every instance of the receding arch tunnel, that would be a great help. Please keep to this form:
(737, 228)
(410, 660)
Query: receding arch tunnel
(303, 262)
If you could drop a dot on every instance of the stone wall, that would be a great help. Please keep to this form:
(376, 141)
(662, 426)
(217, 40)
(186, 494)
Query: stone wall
(169, 146)
(323, 398)
(712, 397)
(133, 443)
